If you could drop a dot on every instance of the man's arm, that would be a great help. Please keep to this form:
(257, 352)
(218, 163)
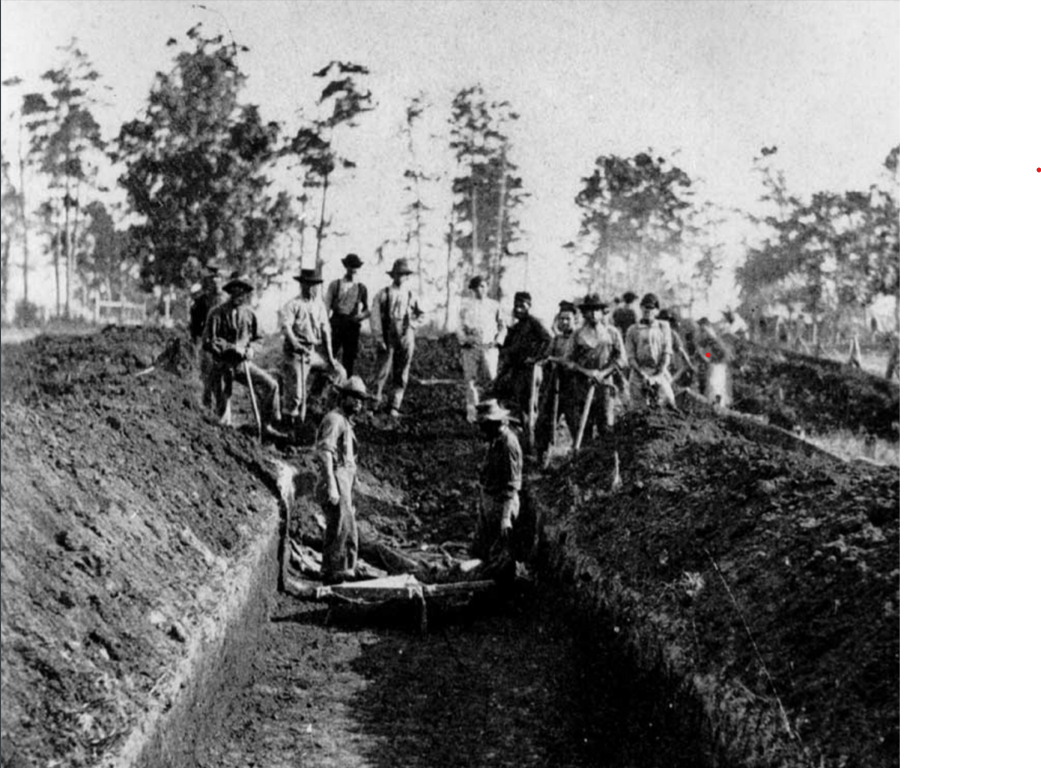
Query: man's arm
(325, 445)
(286, 318)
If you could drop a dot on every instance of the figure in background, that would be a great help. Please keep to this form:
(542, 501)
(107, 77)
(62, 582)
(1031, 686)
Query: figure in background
(207, 299)
(715, 355)
(482, 329)
(348, 303)
(648, 345)
(526, 343)
(394, 316)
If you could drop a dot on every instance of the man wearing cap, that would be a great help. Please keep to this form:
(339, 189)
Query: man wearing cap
(526, 343)
(500, 485)
(307, 343)
(394, 315)
(556, 395)
(348, 304)
(625, 316)
(337, 448)
(481, 331)
(648, 345)
(597, 352)
(229, 336)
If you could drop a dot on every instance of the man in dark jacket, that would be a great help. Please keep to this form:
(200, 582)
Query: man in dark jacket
(204, 302)
(527, 341)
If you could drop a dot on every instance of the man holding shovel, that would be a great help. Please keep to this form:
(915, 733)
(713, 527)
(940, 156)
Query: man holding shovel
(307, 343)
(596, 353)
(337, 449)
(229, 336)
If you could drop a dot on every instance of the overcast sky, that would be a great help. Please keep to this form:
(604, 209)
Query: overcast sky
(704, 83)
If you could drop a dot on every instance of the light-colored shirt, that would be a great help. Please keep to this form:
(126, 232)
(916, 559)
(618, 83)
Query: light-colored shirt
(481, 322)
(393, 312)
(503, 466)
(649, 346)
(305, 320)
(336, 436)
(597, 347)
(347, 298)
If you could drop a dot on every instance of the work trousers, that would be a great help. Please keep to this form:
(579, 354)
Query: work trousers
(346, 335)
(557, 385)
(489, 543)
(394, 363)
(296, 371)
(657, 391)
(602, 410)
(204, 362)
(220, 383)
(479, 366)
(717, 384)
(340, 547)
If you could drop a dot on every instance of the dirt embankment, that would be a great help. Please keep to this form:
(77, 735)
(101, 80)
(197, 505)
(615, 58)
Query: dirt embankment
(123, 509)
(818, 395)
(767, 580)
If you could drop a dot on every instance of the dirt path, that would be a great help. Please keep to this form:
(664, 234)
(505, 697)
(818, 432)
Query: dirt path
(513, 687)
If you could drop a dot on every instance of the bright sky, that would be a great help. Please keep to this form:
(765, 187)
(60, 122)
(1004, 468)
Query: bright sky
(704, 83)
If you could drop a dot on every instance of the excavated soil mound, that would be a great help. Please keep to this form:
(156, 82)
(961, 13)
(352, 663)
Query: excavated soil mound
(819, 395)
(122, 505)
(769, 578)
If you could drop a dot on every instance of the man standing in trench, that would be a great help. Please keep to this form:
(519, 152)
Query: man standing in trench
(596, 352)
(337, 449)
(501, 479)
(308, 343)
(394, 315)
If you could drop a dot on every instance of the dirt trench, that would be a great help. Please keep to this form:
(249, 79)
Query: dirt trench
(627, 652)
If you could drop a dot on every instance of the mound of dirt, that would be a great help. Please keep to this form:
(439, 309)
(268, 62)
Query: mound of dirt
(121, 501)
(769, 571)
(819, 395)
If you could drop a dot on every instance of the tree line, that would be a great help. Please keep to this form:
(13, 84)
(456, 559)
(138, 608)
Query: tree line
(197, 170)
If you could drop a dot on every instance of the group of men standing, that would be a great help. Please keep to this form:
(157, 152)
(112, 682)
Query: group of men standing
(317, 334)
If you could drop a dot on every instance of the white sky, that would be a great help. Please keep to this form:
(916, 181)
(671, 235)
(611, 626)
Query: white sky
(704, 83)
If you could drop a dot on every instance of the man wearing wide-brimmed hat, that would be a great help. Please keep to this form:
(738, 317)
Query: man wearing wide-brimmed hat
(394, 315)
(481, 331)
(337, 449)
(648, 345)
(596, 352)
(348, 304)
(229, 336)
(501, 478)
(307, 343)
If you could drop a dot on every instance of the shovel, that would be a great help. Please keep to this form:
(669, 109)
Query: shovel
(253, 400)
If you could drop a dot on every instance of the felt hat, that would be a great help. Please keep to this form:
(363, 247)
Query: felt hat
(309, 276)
(567, 306)
(649, 300)
(475, 281)
(490, 410)
(400, 267)
(237, 283)
(520, 296)
(628, 297)
(352, 261)
(352, 386)
(592, 301)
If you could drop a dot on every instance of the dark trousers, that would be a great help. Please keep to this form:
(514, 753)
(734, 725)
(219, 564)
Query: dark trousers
(346, 336)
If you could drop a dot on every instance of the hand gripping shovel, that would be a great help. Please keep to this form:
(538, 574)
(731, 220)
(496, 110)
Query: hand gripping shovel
(253, 400)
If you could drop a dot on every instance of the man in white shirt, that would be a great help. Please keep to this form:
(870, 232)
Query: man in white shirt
(482, 329)
(394, 315)
(308, 343)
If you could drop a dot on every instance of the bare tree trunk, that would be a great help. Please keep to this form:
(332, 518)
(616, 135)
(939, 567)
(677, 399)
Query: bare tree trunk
(321, 226)
(67, 232)
(24, 220)
(448, 269)
(72, 266)
(473, 217)
(496, 287)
